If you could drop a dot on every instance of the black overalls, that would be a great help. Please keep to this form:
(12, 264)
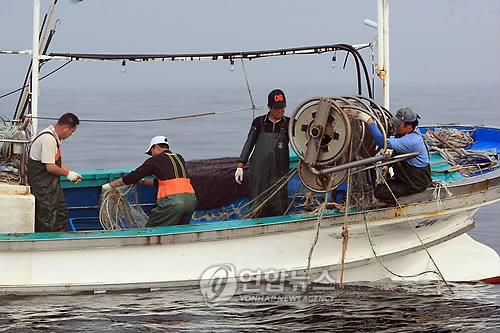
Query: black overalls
(51, 211)
(269, 162)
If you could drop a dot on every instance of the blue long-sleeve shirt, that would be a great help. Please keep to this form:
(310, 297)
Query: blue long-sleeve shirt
(409, 143)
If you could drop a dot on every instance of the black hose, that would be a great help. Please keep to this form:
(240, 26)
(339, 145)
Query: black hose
(356, 53)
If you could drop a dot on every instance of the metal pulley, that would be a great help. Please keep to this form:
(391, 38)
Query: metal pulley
(320, 134)
(320, 183)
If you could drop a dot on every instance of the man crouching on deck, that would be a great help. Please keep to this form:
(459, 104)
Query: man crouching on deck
(411, 176)
(176, 200)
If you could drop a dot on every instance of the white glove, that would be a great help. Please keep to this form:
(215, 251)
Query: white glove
(74, 177)
(364, 117)
(238, 175)
(106, 187)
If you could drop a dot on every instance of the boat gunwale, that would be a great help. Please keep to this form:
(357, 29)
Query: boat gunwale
(377, 217)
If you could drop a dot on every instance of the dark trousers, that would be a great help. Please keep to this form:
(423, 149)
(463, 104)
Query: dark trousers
(51, 211)
(173, 210)
(407, 180)
(398, 188)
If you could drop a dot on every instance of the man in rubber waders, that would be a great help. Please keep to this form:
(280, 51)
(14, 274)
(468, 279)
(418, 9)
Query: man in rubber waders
(44, 169)
(267, 143)
(176, 200)
(410, 176)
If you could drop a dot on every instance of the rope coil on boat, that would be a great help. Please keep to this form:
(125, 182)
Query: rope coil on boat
(452, 144)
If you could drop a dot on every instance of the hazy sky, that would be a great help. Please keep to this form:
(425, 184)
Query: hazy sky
(431, 41)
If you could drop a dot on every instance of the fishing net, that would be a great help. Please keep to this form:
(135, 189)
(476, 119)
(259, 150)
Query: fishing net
(213, 181)
(10, 163)
(120, 209)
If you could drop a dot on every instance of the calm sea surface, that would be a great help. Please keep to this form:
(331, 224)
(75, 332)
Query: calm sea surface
(386, 307)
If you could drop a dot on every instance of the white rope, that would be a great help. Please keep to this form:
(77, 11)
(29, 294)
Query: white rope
(437, 192)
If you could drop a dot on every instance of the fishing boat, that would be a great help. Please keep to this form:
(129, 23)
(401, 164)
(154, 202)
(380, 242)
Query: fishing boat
(346, 237)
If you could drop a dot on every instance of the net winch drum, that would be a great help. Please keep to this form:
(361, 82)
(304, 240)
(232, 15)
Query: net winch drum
(323, 134)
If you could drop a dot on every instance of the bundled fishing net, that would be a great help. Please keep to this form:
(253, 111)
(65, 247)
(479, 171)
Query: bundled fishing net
(120, 209)
(213, 181)
(240, 206)
(452, 145)
(10, 163)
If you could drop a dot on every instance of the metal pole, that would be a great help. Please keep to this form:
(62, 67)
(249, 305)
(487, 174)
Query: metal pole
(35, 64)
(380, 35)
(386, 55)
(349, 165)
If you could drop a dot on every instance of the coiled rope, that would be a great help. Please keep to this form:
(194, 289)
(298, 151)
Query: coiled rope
(452, 144)
(116, 212)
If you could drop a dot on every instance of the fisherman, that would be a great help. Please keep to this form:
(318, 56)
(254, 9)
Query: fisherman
(267, 142)
(44, 169)
(176, 200)
(410, 176)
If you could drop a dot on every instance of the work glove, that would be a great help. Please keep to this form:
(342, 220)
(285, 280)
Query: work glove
(106, 187)
(364, 117)
(238, 175)
(74, 177)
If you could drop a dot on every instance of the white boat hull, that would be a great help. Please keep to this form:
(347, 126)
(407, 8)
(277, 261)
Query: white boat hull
(381, 244)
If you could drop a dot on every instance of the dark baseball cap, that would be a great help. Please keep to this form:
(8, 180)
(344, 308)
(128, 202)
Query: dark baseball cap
(404, 115)
(276, 99)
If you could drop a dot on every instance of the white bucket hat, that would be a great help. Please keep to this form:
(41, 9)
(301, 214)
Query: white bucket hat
(156, 140)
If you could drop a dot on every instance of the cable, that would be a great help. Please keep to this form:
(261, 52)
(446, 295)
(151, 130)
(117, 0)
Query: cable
(194, 115)
(384, 266)
(41, 78)
(248, 88)
(416, 234)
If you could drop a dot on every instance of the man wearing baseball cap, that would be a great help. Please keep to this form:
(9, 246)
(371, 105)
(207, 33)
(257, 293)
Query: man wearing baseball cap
(410, 176)
(266, 148)
(176, 200)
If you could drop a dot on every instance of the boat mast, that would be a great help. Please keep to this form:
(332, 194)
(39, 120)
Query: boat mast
(383, 48)
(35, 56)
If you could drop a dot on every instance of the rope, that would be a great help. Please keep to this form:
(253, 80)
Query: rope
(299, 189)
(416, 234)
(380, 261)
(321, 211)
(345, 227)
(117, 213)
(451, 144)
(437, 192)
(41, 78)
(194, 115)
(248, 88)
(275, 189)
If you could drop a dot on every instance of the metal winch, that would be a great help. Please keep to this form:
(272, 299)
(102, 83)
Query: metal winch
(329, 140)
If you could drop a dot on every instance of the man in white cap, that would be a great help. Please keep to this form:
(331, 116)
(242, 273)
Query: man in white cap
(176, 200)
(410, 176)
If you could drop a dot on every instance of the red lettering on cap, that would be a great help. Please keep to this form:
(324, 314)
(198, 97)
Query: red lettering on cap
(278, 98)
